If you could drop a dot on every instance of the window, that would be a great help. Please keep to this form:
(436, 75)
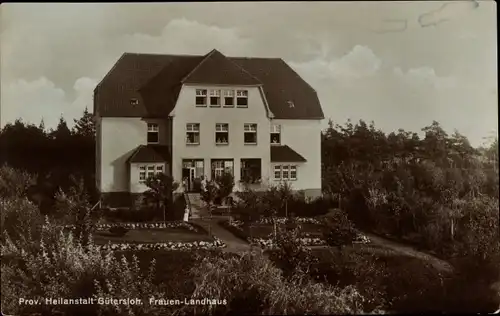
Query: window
(134, 101)
(250, 170)
(242, 98)
(201, 97)
(221, 166)
(151, 171)
(229, 98)
(193, 133)
(293, 172)
(153, 135)
(276, 134)
(285, 172)
(277, 172)
(148, 171)
(250, 136)
(221, 134)
(142, 173)
(214, 97)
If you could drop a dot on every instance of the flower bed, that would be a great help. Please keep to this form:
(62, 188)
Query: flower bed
(236, 227)
(216, 244)
(177, 224)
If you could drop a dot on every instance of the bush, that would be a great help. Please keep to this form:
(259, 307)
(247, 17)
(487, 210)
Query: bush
(252, 284)
(339, 230)
(14, 183)
(60, 266)
(291, 255)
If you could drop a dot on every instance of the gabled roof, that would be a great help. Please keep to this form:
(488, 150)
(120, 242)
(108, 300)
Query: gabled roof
(154, 81)
(216, 68)
(150, 153)
(283, 153)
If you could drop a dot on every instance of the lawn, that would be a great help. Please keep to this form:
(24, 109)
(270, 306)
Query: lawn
(264, 230)
(152, 235)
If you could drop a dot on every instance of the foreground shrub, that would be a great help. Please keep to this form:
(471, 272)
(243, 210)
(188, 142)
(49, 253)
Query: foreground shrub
(21, 220)
(292, 256)
(14, 182)
(60, 266)
(252, 284)
(339, 230)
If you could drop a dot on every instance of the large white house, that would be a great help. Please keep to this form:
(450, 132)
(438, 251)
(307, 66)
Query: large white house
(192, 116)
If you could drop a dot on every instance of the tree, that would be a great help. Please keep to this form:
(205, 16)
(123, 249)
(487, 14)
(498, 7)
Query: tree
(62, 132)
(85, 126)
(208, 196)
(225, 185)
(160, 191)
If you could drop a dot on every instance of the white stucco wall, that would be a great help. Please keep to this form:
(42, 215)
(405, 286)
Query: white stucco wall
(187, 112)
(303, 136)
(119, 137)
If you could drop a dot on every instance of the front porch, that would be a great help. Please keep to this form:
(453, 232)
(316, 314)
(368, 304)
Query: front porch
(195, 170)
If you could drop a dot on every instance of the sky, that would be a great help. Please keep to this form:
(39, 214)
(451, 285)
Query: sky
(399, 64)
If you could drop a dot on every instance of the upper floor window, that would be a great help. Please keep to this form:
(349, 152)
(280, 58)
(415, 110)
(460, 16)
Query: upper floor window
(153, 133)
(214, 97)
(193, 133)
(250, 133)
(229, 98)
(276, 134)
(201, 97)
(242, 98)
(221, 134)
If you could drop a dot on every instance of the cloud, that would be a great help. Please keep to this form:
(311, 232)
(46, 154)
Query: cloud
(42, 99)
(181, 36)
(358, 63)
(31, 95)
(391, 25)
(446, 12)
(425, 76)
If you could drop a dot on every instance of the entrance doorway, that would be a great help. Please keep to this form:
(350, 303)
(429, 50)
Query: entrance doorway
(192, 170)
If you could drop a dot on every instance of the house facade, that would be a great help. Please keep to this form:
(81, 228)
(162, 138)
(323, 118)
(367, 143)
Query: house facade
(194, 116)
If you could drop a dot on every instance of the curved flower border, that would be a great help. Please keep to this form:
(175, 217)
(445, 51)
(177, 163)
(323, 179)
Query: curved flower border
(307, 240)
(207, 245)
(170, 245)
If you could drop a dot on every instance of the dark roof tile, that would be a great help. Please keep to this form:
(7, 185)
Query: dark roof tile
(155, 81)
(283, 153)
(150, 153)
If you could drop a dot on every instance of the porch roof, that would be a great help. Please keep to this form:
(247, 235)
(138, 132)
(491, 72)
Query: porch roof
(150, 153)
(283, 153)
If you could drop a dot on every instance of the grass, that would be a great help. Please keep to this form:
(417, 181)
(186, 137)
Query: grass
(263, 230)
(152, 235)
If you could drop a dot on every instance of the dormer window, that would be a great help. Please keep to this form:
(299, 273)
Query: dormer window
(215, 98)
(242, 98)
(153, 133)
(201, 97)
(275, 134)
(134, 102)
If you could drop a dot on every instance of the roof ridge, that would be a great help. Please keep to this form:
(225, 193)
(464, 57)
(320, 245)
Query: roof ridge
(159, 54)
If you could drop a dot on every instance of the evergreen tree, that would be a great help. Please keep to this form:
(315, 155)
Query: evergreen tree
(85, 126)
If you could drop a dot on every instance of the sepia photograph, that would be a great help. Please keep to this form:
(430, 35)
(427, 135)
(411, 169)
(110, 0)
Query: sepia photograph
(249, 158)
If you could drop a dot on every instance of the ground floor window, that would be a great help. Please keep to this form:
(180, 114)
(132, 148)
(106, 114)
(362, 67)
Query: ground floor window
(250, 170)
(221, 166)
(285, 172)
(149, 171)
